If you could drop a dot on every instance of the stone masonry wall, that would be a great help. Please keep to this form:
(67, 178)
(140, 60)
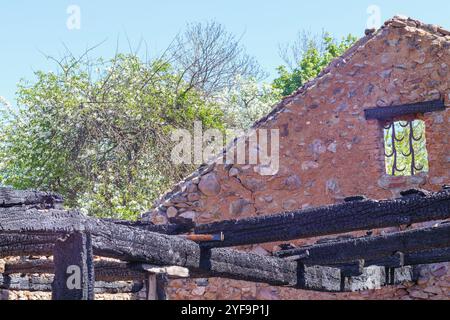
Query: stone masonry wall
(329, 151)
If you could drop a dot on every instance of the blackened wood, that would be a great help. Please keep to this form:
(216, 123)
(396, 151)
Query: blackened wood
(387, 113)
(43, 283)
(136, 245)
(331, 219)
(37, 266)
(33, 220)
(170, 229)
(428, 257)
(107, 271)
(374, 247)
(10, 197)
(162, 281)
(74, 268)
(26, 244)
(234, 263)
(22, 212)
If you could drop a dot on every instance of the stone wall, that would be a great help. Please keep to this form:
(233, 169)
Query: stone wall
(329, 151)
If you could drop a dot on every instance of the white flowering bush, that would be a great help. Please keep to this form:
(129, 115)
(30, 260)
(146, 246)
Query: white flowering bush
(246, 101)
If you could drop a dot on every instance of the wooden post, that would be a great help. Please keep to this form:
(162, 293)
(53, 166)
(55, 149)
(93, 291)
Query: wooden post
(162, 280)
(156, 286)
(74, 268)
(150, 285)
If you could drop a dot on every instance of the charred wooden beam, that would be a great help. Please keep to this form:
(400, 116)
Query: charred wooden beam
(136, 245)
(10, 197)
(35, 266)
(43, 283)
(170, 229)
(373, 247)
(414, 258)
(132, 244)
(428, 257)
(24, 210)
(74, 268)
(396, 260)
(332, 219)
(107, 271)
(12, 245)
(387, 113)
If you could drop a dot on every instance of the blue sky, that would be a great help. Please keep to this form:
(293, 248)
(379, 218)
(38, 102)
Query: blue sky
(30, 28)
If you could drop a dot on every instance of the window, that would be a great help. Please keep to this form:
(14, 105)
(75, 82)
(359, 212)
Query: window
(405, 148)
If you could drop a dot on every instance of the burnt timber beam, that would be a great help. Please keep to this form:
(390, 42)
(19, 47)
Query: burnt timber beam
(399, 259)
(428, 257)
(41, 283)
(170, 229)
(387, 113)
(325, 279)
(22, 244)
(414, 258)
(10, 197)
(136, 245)
(107, 271)
(373, 247)
(332, 219)
(74, 268)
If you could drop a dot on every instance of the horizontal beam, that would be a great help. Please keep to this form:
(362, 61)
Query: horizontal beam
(387, 113)
(107, 271)
(17, 282)
(373, 247)
(10, 197)
(13, 245)
(428, 257)
(136, 245)
(141, 246)
(332, 219)
(410, 259)
(170, 229)
(313, 277)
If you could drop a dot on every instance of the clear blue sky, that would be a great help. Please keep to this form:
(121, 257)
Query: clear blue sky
(28, 28)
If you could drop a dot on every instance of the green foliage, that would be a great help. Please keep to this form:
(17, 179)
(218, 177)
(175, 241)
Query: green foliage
(99, 133)
(311, 63)
(402, 146)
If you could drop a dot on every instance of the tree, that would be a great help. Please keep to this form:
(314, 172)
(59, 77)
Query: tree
(306, 57)
(210, 58)
(246, 101)
(98, 132)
